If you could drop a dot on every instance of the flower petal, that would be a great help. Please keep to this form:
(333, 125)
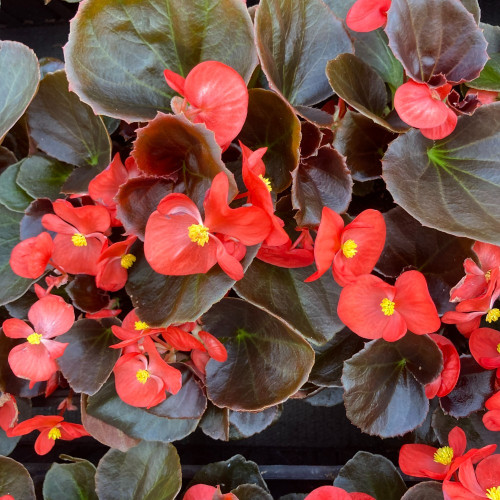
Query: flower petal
(51, 316)
(32, 362)
(418, 460)
(16, 328)
(30, 257)
(444, 129)
(367, 15)
(43, 443)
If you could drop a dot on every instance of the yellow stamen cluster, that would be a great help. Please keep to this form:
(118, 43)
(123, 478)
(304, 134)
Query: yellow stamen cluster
(387, 307)
(349, 249)
(487, 275)
(127, 260)
(142, 376)
(493, 493)
(140, 325)
(444, 455)
(34, 338)
(266, 181)
(54, 433)
(198, 233)
(493, 315)
(79, 240)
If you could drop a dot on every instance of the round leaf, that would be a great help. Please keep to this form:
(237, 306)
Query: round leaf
(384, 384)
(15, 480)
(245, 423)
(149, 470)
(453, 184)
(74, 480)
(117, 51)
(251, 492)
(13, 196)
(267, 361)
(430, 490)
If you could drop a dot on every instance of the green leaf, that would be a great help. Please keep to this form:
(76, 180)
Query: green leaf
(322, 180)
(118, 50)
(137, 423)
(7, 157)
(251, 492)
(412, 26)
(215, 422)
(295, 40)
(88, 360)
(149, 471)
(163, 300)
(12, 196)
(384, 384)
(11, 285)
(15, 480)
(43, 177)
(66, 128)
(473, 7)
(267, 361)
(74, 480)
(453, 184)
(18, 82)
(272, 123)
(307, 308)
(374, 475)
(246, 423)
(430, 490)
(492, 35)
(489, 79)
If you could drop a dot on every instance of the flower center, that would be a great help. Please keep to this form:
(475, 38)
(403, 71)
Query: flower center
(266, 181)
(444, 455)
(127, 260)
(79, 240)
(493, 493)
(349, 249)
(34, 338)
(493, 315)
(387, 307)
(198, 233)
(54, 433)
(142, 376)
(487, 275)
(140, 325)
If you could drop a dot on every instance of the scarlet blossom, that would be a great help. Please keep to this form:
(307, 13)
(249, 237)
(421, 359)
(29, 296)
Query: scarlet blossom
(142, 381)
(484, 482)
(80, 239)
(300, 253)
(447, 379)
(475, 281)
(8, 411)
(113, 264)
(422, 107)
(35, 359)
(421, 460)
(7, 497)
(259, 192)
(484, 345)
(484, 96)
(374, 309)
(206, 492)
(51, 427)
(29, 258)
(367, 15)
(352, 250)
(178, 242)
(491, 419)
(334, 493)
(214, 94)
(468, 313)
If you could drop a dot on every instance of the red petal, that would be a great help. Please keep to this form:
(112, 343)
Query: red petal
(488, 472)
(181, 340)
(30, 257)
(87, 219)
(491, 420)
(36, 423)
(328, 493)
(483, 345)
(418, 460)
(367, 15)
(56, 349)
(32, 362)
(8, 411)
(43, 443)
(171, 376)
(455, 491)
(468, 478)
(16, 328)
(174, 81)
(200, 492)
(111, 275)
(104, 186)
(451, 367)
(54, 223)
(458, 441)
(417, 107)
(284, 256)
(72, 431)
(215, 348)
(444, 129)
(229, 264)
(51, 316)
(489, 255)
(493, 403)
(415, 304)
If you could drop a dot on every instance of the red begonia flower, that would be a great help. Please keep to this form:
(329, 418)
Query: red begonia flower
(206, 492)
(374, 309)
(132, 331)
(34, 360)
(290, 255)
(142, 381)
(215, 348)
(30, 257)
(352, 250)
(8, 411)
(484, 345)
(178, 242)
(367, 15)
(7, 497)
(51, 427)
(200, 360)
(334, 493)
(482, 483)
(475, 281)
(491, 419)
(79, 239)
(447, 379)
(259, 192)
(214, 94)
(468, 313)
(113, 264)
(421, 460)
(422, 107)
(484, 96)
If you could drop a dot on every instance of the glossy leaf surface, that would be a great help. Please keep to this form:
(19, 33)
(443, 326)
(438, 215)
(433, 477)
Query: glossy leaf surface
(15, 480)
(430, 490)
(75, 480)
(13, 196)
